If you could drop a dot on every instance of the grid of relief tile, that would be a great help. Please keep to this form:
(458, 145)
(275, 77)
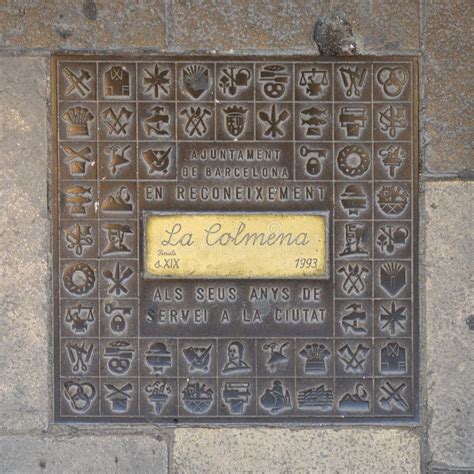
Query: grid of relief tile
(373, 248)
(370, 142)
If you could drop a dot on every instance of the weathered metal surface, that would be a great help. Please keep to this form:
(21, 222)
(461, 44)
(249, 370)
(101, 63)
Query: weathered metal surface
(264, 334)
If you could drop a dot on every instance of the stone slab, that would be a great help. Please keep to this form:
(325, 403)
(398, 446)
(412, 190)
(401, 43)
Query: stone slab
(447, 82)
(90, 24)
(93, 24)
(24, 242)
(80, 454)
(449, 302)
(268, 24)
(316, 450)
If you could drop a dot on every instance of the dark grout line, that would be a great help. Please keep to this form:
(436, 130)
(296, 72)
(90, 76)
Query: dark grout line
(167, 48)
(466, 176)
(168, 24)
(425, 177)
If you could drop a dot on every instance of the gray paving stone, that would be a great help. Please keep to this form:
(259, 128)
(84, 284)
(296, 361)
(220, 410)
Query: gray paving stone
(24, 237)
(83, 454)
(24, 242)
(449, 302)
(448, 72)
(94, 24)
(276, 24)
(76, 24)
(316, 450)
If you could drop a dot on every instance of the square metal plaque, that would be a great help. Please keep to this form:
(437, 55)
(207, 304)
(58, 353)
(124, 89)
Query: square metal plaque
(235, 239)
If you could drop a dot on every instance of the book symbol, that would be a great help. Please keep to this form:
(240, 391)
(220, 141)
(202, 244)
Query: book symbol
(393, 277)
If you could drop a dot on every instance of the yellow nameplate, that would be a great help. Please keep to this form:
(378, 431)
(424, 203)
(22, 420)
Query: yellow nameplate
(284, 245)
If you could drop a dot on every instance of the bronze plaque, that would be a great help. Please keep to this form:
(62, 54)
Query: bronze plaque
(235, 239)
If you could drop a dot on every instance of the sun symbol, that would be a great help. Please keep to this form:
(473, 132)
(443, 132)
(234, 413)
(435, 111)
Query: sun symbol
(393, 318)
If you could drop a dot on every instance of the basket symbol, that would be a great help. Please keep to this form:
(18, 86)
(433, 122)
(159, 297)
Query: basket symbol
(78, 119)
(392, 200)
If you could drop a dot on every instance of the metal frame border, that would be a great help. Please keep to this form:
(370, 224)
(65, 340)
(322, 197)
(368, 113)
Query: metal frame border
(256, 422)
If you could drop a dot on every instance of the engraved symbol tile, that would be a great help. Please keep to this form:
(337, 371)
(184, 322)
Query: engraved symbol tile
(393, 395)
(198, 397)
(356, 400)
(158, 394)
(274, 82)
(237, 396)
(117, 121)
(80, 357)
(393, 317)
(353, 80)
(79, 239)
(79, 160)
(79, 278)
(77, 122)
(79, 317)
(276, 398)
(119, 356)
(156, 81)
(235, 81)
(315, 397)
(79, 396)
(313, 81)
(77, 81)
(392, 80)
(272, 122)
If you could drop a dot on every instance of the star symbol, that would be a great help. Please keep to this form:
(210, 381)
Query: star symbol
(156, 80)
(393, 318)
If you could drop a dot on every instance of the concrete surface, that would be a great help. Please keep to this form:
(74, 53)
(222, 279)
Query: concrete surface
(74, 24)
(448, 70)
(200, 24)
(277, 24)
(81, 454)
(439, 30)
(355, 450)
(24, 243)
(449, 269)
